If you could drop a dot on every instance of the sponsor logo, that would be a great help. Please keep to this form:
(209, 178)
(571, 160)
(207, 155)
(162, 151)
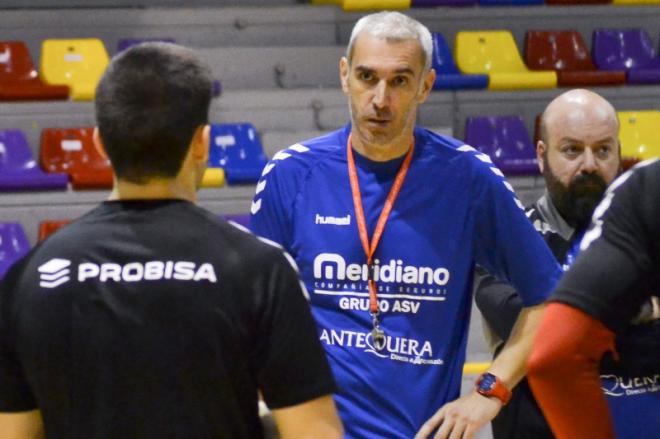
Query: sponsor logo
(616, 386)
(333, 220)
(56, 272)
(331, 266)
(407, 350)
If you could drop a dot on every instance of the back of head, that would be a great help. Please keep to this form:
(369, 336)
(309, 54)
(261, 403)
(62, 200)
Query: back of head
(393, 26)
(149, 103)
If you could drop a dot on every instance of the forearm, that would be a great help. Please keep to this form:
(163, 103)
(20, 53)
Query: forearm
(510, 364)
(564, 375)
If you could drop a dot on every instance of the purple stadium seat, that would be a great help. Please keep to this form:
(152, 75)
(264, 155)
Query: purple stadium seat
(237, 149)
(435, 3)
(239, 218)
(506, 140)
(448, 76)
(125, 43)
(13, 245)
(627, 49)
(18, 169)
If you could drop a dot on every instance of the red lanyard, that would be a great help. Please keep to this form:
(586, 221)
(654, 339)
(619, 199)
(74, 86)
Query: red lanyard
(370, 248)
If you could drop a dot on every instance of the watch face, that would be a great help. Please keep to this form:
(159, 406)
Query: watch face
(487, 382)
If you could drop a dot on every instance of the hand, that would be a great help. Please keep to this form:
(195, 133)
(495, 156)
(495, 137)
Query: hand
(461, 419)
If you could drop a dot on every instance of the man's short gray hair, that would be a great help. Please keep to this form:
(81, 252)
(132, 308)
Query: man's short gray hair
(393, 26)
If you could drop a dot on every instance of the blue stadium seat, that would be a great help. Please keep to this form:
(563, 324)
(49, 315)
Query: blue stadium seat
(237, 149)
(18, 169)
(448, 76)
(13, 245)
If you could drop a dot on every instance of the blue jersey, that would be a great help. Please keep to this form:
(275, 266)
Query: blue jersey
(454, 209)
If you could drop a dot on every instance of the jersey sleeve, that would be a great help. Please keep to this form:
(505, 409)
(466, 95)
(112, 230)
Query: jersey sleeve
(272, 207)
(292, 367)
(506, 243)
(15, 392)
(610, 279)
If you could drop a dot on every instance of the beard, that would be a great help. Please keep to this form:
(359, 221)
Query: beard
(577, 201)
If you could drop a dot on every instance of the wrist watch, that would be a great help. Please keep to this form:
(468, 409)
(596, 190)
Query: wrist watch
(489, 385)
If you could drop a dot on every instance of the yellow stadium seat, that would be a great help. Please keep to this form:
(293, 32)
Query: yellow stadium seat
(362, 5)
(639, 134)
(475, 368)
(635, 2)
(495, 53)
(213, 177)
(76, 63)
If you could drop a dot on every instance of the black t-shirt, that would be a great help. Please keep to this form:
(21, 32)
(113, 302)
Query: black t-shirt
(619, 265)
(155, 319)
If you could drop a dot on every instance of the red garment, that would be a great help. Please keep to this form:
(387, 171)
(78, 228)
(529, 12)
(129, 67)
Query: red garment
(564, 376)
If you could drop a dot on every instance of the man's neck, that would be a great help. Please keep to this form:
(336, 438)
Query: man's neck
(379, 152)
(155, 189)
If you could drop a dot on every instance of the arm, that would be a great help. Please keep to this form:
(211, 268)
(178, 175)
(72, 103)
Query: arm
(564, 373)
(315, 419)
(22, 425)
(498, 302)
(471, 412)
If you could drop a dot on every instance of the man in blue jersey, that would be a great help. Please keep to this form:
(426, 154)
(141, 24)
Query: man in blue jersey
(386, 221)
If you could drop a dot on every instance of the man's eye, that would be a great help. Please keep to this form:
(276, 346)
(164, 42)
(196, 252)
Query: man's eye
(365, 76)
(400, 80)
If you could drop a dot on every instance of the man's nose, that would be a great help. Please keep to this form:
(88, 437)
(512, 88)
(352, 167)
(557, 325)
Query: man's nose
(381, 98)
(589, 164)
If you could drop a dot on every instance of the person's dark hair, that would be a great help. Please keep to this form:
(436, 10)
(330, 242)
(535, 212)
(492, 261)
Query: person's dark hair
(149, 104)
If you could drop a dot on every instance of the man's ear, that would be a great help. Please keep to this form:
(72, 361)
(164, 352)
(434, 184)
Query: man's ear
(427, 85)
(344, 71)
(200, 144)
(98, 143)
(541, 150)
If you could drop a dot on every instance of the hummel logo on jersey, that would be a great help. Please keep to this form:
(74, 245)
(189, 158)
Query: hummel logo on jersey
(334, 220)
(54, 273)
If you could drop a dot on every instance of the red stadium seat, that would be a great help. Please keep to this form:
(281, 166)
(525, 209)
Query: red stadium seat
(567, 53)
(46, 227)
(72, 150)
(19, 80)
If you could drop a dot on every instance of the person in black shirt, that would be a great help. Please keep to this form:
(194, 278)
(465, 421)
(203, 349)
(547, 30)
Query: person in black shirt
(579, 157)
(149, 317)
(617, 271)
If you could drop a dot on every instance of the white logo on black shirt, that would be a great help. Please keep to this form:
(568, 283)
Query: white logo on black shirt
(54, 273)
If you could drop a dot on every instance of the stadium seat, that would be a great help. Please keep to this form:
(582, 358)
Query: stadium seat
(639, 134)
(566, 52)
(237, 149)
(239, 218)
(495, 53)
(635, 2)
(448, 77)
(627, 49)
(436, 3)
(72, 150)
(46, 227)
(125, 43)
(18, 169)
(506, 140)
(19, 80)
(363, 5)
(213, 177)
(13, 245)
(510, 2)
(576, 2)
(76, 63)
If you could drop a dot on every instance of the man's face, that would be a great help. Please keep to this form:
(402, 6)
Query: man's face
(580, 161)
(385, 83)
